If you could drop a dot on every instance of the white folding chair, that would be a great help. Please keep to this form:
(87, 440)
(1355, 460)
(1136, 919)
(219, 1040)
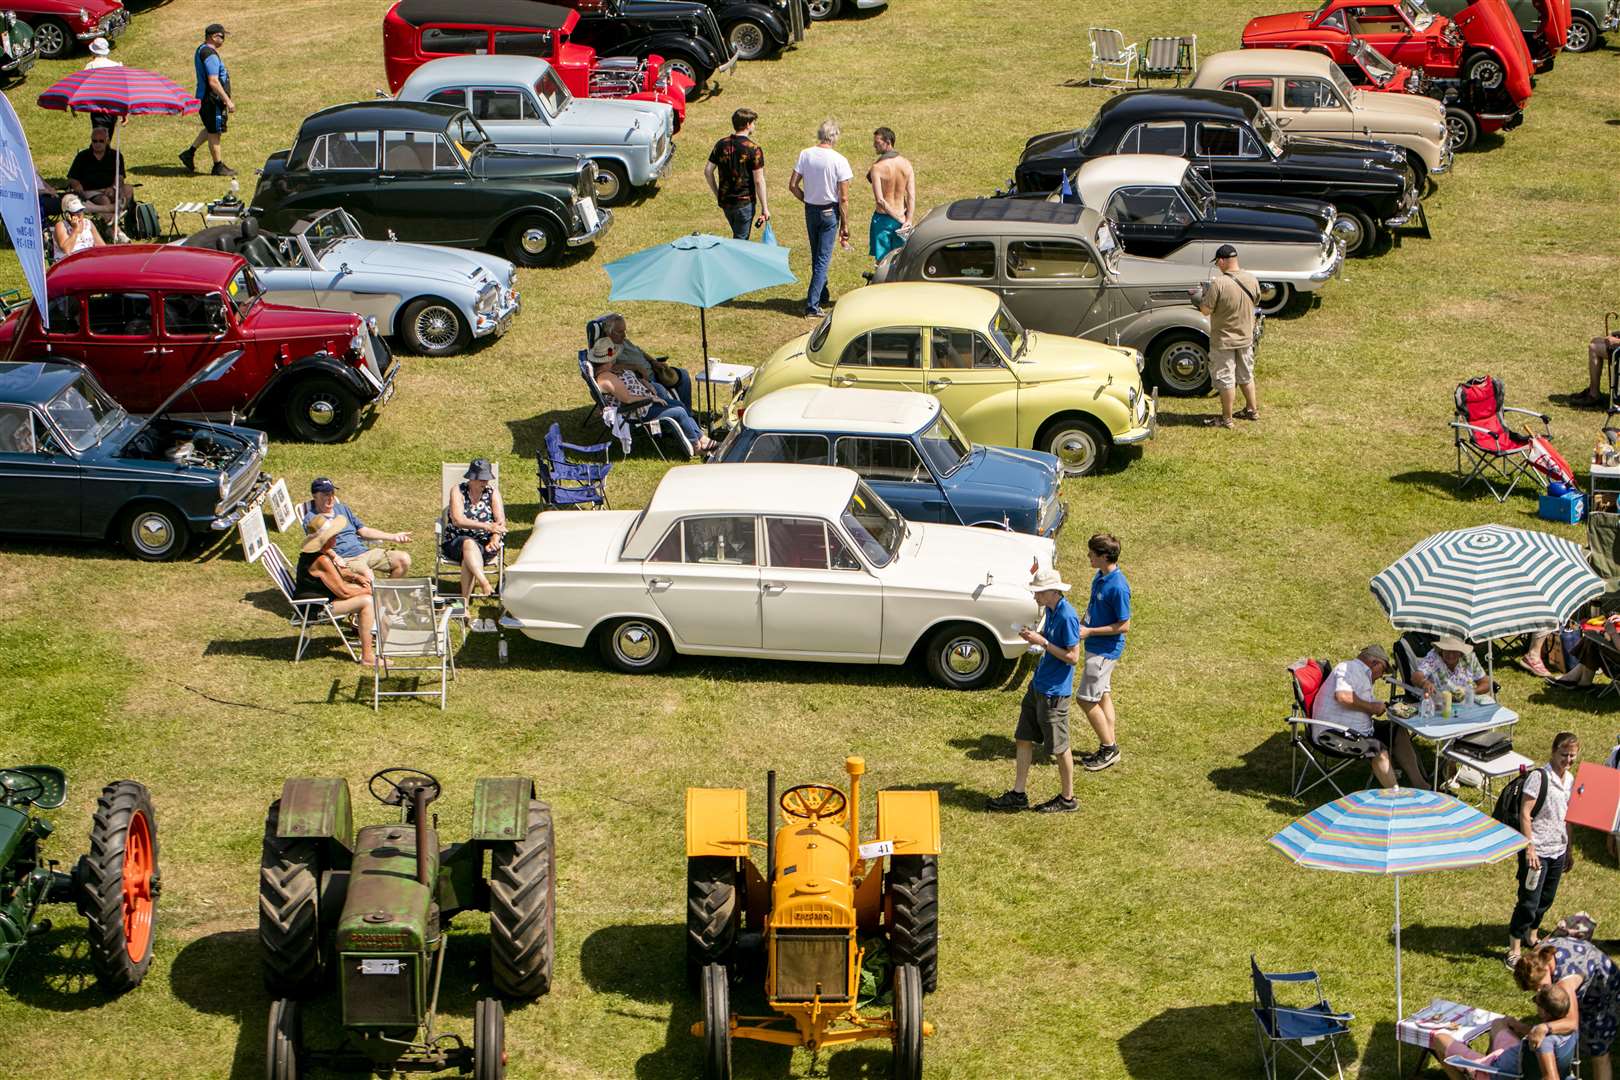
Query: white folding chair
(450, 477)
(308, 614)
(1109, 53)
(413, 635)
(1169, 58)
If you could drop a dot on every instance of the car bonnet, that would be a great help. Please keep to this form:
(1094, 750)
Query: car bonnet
(214, 369)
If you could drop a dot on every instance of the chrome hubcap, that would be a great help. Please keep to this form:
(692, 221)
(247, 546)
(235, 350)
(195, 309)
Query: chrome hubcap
(607, 186)
(154, 533)
(965, 657)
(748, 40)
(1075, 450)
(1349, 230)
(635, 643)
(437, 327)
(1185, 367)
(535, 241)
(1273, 296)
(322, 412)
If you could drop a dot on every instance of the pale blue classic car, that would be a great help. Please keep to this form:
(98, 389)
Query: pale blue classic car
(523, 104)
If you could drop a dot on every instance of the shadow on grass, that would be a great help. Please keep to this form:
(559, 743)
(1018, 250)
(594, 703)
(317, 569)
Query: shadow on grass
(54, 971)
(862, 1062)
(280, 649)
(1264, 773)
(963, 798)
(579, 426)
(782, 305)
(985, 747)
(1444, 482)
(524, 653)
(1198, 1040)
(1454, 942)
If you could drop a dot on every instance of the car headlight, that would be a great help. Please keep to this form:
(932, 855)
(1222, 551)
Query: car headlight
(224, 484)
(84, 15)
(1131, 394)
(357, 345)
(264, 445)
(487, 300)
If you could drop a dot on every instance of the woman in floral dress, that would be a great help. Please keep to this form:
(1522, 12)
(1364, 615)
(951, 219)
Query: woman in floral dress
(477, 525)
(1592, 980)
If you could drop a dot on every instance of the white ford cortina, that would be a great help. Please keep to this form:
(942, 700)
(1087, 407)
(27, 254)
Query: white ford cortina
(791, 562)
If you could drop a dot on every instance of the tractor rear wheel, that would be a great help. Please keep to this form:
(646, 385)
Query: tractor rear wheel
(489, 1040)
(713, 912)
(908, 1023)
(120, 882)
(716, 1022)
(913, 895)
(284, 1056)
(289, 912)
(523, 908)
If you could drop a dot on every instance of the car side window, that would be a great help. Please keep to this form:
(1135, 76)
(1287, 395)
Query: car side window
(1309, 94)
(64, 312)
(1162, 137)
(410, 151)
(727, 540)
(796, 543)
(194, 314)
(1224, 140)
(1256, 86)
(17, 430)
(884, 348)
(452, 95)
(881, 459)
(1335, 20)
(974, 259)
(1048, 260)
(344, 150)
(962, 349)
(1147, 206)
(503, 104)
(789, 449)
(523, 42)
(119, 314)
(440, 39)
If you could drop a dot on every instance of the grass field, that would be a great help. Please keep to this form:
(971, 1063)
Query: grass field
(1113, 943)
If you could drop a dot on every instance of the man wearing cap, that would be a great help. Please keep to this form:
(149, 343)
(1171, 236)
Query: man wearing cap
(214, 91)
(351, 548)
(1348, 701)
(1043, 716)
(1229, 299)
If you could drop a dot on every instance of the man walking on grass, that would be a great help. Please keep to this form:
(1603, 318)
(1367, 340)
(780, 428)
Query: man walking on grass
(214, 91)
(820, 180)
(1043, 716)
(1108, 617)
(1229, 300)
(736, 176)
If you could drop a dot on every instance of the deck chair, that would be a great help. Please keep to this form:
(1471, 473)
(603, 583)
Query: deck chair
(613, 419)
(1109, 53)
(308, 614)
(1493, 453)
(413, 635)
(1168, 58)
(571, 483)
(1603, 552)
(1307, 1035)
(1318, 748)
(450, 476)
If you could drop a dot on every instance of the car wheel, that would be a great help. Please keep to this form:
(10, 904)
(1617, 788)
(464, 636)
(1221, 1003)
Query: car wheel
(53, 39)
(1462, 130)
(1179, 365)
(433, 327)
(681, 64)
(636, 646)
(1078, 442)
(1274, 297)
(1421, 178)
(748, 39)
(964, 657)
(1486, 70)
(612, 183)
(320, 409)
(153, 532)
(1358, 231)
(1583, 36)
(825, 9)
(533, 240)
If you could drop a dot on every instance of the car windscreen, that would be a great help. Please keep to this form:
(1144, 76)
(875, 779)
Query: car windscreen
(1340, 83)
(1268, 131)
(876, 528)
(244, 290)
(1008, 334)
(326, 230)
(1200, 196)
(1089, 133)
(1416, 14)
(1373, 62)
(551, 92)
(84, 413)
(944, 446)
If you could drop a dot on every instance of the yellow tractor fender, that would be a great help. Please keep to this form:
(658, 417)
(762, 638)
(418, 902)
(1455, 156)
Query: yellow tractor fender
(909, 820)
(716, 822)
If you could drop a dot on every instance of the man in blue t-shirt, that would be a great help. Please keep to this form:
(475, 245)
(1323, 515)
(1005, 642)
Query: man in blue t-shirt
(351, 547)
(214, 92)
(1108, 617)
(1043, 717)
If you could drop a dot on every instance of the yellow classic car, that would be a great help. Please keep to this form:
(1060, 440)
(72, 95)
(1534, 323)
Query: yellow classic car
(1004, 385)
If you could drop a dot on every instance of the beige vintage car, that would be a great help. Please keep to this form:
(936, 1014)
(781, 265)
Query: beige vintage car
(1307, 94)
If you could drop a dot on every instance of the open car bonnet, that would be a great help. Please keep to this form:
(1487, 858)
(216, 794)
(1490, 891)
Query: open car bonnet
(1489, 24)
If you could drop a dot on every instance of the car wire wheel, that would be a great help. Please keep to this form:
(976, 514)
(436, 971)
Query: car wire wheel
(52, 38)
(748, 39)
(433, 327)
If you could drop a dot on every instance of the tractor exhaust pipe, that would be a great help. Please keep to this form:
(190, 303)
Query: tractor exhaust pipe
(770, 831)
(419, 805)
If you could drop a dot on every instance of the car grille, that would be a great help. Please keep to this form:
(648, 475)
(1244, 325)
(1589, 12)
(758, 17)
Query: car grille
(241, 483)
(806, 960)
(381, 1000)
(115, 20)
(586, 184)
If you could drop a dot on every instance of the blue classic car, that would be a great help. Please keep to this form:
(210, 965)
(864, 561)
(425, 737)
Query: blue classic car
(75, 465)
(908, 450)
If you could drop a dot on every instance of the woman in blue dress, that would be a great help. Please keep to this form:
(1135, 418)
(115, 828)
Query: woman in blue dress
(1592, 980)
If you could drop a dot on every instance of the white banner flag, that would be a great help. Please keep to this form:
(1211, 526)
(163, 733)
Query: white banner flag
(19, 204)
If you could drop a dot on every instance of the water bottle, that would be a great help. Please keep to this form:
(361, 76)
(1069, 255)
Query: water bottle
(1426, 706)
(1468, 696)
(1532, 877)
(1445, 703)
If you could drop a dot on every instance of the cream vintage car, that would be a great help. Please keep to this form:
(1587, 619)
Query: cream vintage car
(1003, 384)
(1307, 94)
(785, 562)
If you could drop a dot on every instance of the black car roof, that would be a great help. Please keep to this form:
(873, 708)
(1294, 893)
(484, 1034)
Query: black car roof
(1034, 210)
(369, 115)
(1145, 104)
(525, 13)
(26, 382)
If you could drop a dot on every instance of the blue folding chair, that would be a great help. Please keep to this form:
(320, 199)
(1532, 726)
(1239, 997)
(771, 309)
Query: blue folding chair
(564, 482)
(1315, 1028)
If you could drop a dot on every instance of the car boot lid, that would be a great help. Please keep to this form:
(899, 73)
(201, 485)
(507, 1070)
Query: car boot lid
(565, 538)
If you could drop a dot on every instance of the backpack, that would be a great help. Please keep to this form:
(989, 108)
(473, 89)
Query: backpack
(1507, 805)
(141, 221)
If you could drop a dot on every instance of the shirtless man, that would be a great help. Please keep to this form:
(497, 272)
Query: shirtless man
(894, 190)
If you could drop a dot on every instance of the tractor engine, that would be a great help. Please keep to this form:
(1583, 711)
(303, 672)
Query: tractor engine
(388, 930)
(811, 932)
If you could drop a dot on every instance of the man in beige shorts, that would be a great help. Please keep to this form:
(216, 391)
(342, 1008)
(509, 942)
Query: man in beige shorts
(1229, 300)
(351, 547)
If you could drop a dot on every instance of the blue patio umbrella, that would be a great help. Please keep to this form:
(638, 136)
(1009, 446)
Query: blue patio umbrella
(702, 271)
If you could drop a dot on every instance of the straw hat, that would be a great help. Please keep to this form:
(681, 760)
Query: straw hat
(321, 529)
(1448, 643)
(1045, 580)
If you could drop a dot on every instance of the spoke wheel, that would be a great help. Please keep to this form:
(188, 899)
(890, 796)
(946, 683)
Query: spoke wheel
(432, 327)
(1462, 130)
(1582, 36)
(683, 65)
(748, 40)
(120, 883)
(52, 38)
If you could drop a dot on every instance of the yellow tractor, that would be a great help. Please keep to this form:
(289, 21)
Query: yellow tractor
(821, 887)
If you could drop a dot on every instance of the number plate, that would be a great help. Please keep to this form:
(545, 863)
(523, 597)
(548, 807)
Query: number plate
(587, 214)
(877, 849)
(379, 967)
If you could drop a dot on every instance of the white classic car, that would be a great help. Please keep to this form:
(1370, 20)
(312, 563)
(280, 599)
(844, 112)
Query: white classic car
(435, 299)
(523, 104)
(790, 562)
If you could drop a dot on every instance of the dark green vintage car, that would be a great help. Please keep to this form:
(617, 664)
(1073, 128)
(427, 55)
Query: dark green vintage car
(430, 174)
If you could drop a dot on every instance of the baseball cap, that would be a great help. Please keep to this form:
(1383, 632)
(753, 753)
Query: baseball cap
(214, 28)
(1225, 251)
(321, 486)
(1374, 652)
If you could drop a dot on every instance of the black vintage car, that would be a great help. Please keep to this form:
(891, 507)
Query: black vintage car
(1237, 147)
(756, 29)
(431, 174)
(685, 33)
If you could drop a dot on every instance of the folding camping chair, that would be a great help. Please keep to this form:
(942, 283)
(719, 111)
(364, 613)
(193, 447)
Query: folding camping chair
(413, 635)
(1609, 319)
(1315, 744)
(571, 483)
(1109, 52)
(1315, 1028)
(1169, 58)
(1482, 437)
(1603, 552)
(450, 477)
(308, 614)
(612, 416)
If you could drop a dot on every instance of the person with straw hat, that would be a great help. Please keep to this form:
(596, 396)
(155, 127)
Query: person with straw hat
(1452, 665)
(1044, 714)
(319, 577)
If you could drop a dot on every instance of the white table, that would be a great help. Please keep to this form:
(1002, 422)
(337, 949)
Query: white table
(1465, 720)
(1415, 1033)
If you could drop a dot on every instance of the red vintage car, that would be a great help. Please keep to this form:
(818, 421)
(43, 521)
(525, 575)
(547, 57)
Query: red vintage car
(1480, 55)
(145, 318)
(62, 26)
(416, 31)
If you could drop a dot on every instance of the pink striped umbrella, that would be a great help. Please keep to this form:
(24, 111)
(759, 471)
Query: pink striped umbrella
(124, 91)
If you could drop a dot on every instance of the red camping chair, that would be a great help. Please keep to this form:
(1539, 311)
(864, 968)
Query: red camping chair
(1316, 744)
(1495, 453)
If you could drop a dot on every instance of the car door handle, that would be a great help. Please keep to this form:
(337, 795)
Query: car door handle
(773, 588)
(158, 352)
(934, 384)
(659, 584)
(845, 380)
(1284, 121)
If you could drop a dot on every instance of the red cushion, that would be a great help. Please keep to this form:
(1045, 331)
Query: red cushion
(1308, 675)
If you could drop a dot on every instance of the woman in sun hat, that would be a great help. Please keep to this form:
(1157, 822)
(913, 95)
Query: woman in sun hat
(1451, 665)
(318, 577)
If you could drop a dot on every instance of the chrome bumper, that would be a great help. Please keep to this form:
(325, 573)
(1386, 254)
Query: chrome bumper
(1147, 430)
(604, 218)
(227, 517)
(1333, 265)
(1447, 156)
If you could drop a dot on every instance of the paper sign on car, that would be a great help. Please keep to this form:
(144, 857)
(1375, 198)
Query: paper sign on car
(877, 849)
(375, 966)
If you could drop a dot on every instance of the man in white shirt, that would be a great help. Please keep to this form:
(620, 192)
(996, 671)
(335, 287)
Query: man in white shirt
(1347, 699)
(820, 180)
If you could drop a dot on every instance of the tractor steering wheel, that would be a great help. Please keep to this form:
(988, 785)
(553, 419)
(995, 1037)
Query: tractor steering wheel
(812, 802)
(401, 792)
(19, 786)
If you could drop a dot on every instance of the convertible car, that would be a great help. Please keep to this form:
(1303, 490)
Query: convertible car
(436, 299)
(785, 562)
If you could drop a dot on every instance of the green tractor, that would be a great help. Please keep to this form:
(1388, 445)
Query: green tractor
(370, 909)
(115, 887)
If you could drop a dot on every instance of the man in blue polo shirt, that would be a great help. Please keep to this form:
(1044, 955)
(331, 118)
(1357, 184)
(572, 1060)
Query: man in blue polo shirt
(351, 546)
(214, 94)
(1108, 617)
(1043, 716)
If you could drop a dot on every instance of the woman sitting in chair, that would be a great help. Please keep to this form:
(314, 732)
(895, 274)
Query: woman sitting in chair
(477, 524)
(319, 577)
(631, 392)
(75, 231)
(1451, 665)
(1508, 1055)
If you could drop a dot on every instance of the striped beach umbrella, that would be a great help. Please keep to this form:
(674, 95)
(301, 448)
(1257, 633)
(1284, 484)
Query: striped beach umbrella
(1486, 582)
(1396, 832)
(124, 91)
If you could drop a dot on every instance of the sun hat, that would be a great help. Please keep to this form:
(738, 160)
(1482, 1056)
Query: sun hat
(322, 528)
(99, 47)
(1448, 643)
(72, 204)
(1048, 579)
(478, 469)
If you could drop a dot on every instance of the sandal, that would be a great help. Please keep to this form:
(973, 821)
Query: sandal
(1246, 414)
(1586, 397)
(1511, 960)
(1217, 421)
